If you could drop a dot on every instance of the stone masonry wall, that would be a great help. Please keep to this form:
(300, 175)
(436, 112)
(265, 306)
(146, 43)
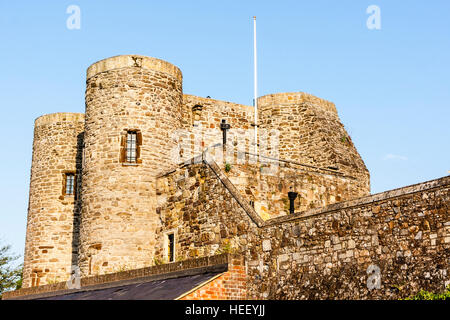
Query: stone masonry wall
(204, 215)
(118, 211)
(52, 228)
(332, 254)
(266, 182)
(201, 125)
(324, 253)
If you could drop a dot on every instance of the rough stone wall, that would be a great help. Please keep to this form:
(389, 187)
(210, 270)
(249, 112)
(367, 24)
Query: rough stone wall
(322, 253)
(206, 217)
(51, 243)
(404, 234)
(201, 125)
(310, 132)
(231, 285)
(118, 210)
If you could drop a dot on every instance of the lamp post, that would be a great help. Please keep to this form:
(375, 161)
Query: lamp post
(292, 196)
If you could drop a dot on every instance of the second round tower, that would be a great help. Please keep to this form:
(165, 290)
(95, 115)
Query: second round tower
(133, 104)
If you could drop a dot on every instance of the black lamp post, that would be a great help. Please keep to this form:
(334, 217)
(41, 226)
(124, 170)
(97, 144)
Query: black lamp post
(224, 127)
(292, 196)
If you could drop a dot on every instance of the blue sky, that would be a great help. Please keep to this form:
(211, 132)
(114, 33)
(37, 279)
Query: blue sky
(391, 86)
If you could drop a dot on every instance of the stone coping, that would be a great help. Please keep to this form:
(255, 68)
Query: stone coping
(234, 192)
(386, 195)
(292, 98)
(287, 163)
(284, 163)
(128, 61)
(284, 98)
(200, 100)
(59, 117)
(218, 263)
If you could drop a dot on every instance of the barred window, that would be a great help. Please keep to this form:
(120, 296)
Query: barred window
(70, 184)
(131, 146)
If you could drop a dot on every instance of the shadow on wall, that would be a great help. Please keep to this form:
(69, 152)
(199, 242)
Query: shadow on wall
(77, 206)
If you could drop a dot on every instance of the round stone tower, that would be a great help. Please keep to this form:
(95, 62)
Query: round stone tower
(53, 210)
(310, 132)
(133, 104)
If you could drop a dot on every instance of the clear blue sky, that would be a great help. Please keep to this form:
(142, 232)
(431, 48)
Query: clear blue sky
(391, 86)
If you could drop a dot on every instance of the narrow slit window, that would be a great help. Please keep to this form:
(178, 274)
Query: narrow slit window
(131, 146)
(70, 183)
(171, 247)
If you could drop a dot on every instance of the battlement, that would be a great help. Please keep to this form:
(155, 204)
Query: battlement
(293, 98)
(127, 61)
(59, 117)
(192, 99)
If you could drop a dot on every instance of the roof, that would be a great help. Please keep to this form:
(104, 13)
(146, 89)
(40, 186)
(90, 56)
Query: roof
(161, 282)
(168, 289)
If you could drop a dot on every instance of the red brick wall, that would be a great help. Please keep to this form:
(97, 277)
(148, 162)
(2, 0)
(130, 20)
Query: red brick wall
(231, 285)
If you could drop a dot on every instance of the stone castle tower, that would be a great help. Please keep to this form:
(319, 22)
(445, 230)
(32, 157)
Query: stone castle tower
(93, 201)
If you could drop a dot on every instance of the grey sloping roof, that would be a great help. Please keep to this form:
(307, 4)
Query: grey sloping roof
(163, 281)
(166, 289)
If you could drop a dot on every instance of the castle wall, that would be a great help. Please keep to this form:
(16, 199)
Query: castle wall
(402, 236)
(266, 182)
(207, 220)
(118, 210)
(296, 127)
(52, 237)
(201, 125)
(311, 133)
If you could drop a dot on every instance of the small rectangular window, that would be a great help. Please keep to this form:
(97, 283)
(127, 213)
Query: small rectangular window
(70, 183)
(131, 146)
(171, 247)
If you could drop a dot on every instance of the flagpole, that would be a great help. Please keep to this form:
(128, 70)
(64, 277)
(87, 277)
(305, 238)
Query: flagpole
(255, 85)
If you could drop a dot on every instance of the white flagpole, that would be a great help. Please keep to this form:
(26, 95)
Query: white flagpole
(255, 86)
